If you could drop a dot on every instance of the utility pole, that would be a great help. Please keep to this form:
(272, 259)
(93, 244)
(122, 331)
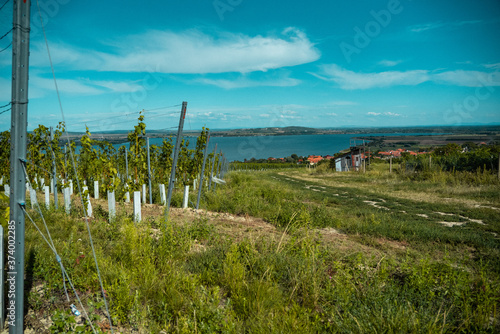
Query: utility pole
(19, 121)
(176, 155)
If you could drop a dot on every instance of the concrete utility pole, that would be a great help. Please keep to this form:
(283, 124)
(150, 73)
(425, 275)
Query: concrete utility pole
(19, 118)
(176, 155)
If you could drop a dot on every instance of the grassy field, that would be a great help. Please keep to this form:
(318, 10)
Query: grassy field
(290, 251)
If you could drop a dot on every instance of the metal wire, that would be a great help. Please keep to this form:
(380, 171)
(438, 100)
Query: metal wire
(74, 166)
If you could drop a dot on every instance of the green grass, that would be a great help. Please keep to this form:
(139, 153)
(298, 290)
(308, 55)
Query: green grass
(389, 271)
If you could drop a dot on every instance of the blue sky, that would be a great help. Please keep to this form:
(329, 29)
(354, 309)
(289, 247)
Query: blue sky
(242, 63)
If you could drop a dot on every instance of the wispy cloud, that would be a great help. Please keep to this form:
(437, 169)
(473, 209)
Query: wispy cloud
(387, 113)
(64, 85)
(467, 78)
(117, 86)
(40, 85)
(438, 25)
(243, 82)
(339, 103)
(389, 63)
(495, 66)
(350, 80)
(191, 51)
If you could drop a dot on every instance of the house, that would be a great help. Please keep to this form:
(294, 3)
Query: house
(314, 159)
(397, 153)
(349, 161)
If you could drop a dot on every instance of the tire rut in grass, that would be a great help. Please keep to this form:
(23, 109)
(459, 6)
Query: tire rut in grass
(418, 209)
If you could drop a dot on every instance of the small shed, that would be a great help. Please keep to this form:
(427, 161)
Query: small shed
(349, 161)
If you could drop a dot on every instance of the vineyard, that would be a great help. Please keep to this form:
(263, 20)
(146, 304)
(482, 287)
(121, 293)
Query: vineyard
(117, 235)
(280, 251)
(104, 169)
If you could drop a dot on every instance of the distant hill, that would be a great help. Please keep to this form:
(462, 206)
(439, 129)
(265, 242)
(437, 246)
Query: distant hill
(118, 136)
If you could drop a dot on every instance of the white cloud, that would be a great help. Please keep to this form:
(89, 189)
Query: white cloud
(495, 66)
(467, 78)
(39, 86)
(331, 114)
(243, 82)
(340, 103)
(390, 63)
(64, 86)
(190, 51)
(117, 86)
(437, 25)
(387, 113)
(350, 80)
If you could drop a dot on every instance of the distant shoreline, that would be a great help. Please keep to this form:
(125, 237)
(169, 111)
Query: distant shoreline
(442, 134)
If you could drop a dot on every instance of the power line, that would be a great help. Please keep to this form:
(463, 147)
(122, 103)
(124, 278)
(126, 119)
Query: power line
(4, 106)
(177, 105)
(103, 119)
(4, 4)
(5, 111)
(23, 29)
(74, 166)
(6, 47)
(8, 32)
(128, 114)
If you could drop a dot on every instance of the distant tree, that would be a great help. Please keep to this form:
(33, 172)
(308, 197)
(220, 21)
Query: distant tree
(295, 157)
(469, 146)
(5, 155)
(448, 149)
(331, 164)
(405, 155)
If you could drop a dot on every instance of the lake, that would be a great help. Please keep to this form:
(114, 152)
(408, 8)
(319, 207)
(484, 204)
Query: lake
(263, 147)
